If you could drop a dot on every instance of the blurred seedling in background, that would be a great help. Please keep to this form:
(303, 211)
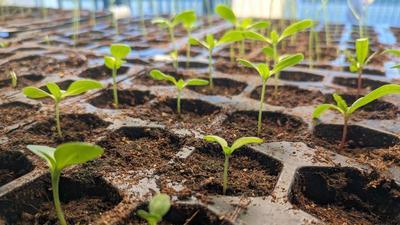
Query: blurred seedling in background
(180, 84)
(228, 151)
(114, 62)
(188, 19)
(59, 158)
(158, 207)
(14, 79)
(54, 92)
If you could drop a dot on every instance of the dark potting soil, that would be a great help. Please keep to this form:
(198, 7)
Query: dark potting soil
(233, 68)
(346, 196)
(250, 173)
(126, 99)
(13, 164)
(222, 86)
(288, 96)
(23, 80)
(14, 112)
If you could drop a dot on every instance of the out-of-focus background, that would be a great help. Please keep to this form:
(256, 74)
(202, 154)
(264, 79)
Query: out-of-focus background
(382, 12)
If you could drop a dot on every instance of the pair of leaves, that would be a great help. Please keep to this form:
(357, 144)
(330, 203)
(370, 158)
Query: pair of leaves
(228, 150)
(118, 52)
(210, 42)
(342, 107)
(180, 84)
(362, 57)
(227, 14)
(76, 88)
(263, 69)
(158, 207)
(66, 154)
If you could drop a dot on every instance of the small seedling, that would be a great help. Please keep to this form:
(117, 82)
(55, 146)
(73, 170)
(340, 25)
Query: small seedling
(59, 158)
(342, 107)
(158, 207)
(76, 88)
(14, 79)
(114, 62)
(265, 73)
(228, 151)
(361, 59)
(210, 44)
(188, 20)
(4, 44)
(180, 84)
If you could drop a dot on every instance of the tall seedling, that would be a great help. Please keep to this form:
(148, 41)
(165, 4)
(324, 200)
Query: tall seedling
(114, 62)
(188, 19)
(76, 88)
(361, 59)
(228, 151)
(59, 158)
(265, 73)
(346, 111)
(180, 84)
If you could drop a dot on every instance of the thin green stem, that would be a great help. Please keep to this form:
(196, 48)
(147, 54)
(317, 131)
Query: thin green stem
(58, 124)
(178, 102)
(259, 123)
(55, 180)
(210, 68)
(171, 35)
(232, 53)
(225, 179)
(359, 81)
(242, 48)
(188, 51)
(115, 91)
(344, 132)
(276, 77)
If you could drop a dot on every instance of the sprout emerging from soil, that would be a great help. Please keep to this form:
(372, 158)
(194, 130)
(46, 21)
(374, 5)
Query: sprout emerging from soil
(180, 84)
(158, 207)
(76, 88)
(265, 73)
(342, 107)
(210, 44)
(114, 62)
(361, 59)
(245, 24)
(63, 156)
(188, 19)
(228, 151)
(14, 79)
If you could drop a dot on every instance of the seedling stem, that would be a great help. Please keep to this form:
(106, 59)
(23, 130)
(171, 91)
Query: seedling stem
(261, 107)
(55, 180)
(226, 166)
(115, 92)
(58, 124)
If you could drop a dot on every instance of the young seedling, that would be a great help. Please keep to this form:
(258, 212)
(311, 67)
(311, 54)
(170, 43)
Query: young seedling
(180, 84)
(361, 59)
(76, 88)
(342, 107)
(59, 158)
(158, 207)
(188, 20)
(210, 44)
(114, 62)
(14, 79)
(324, 9)
(275, 39)
(265, 73)
(245, 24)
(228, 151)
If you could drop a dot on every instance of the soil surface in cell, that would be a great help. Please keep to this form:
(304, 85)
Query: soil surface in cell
(222, 86)
(14, 112)
(126, 99)
(13, 165)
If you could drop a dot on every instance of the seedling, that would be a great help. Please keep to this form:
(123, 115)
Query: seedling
(324, 9)
(210, 44)
(265, 73)
(228, 151)
(342, 107)
(245, 24)
(4, 44)
(76, 88)
(180, 84)
(14, 79)
(114, 62)
(188, 19)
(361, 59)
(275, 39)
(63, 156)
(158, 207)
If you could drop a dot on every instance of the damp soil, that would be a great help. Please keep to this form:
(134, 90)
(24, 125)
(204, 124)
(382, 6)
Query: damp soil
(102, 72)
(13, 164)
(126, 99)
(222, 86)
(250, 173)
(14, 112)
(233, 68)
(289, 96)
(23, 81)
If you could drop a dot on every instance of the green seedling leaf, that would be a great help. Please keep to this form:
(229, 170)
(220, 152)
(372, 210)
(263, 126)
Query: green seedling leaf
(295, 28)
(210, 41)
(158, 75)
(219, 140)
(323, 108)
(162, 22)
(120, 51)
(288, 61)
(81, 86)
(158, 207)
(362, 50)
(274, 36)
(187, 18)
(394, 52)
(54, 90)
(258, 25)
(35, 93)
(268, 51)
(226, 13)
(44, 152)
(340, 102)
(245, 141)
(231, 36)
(196, 82)
(252, 35)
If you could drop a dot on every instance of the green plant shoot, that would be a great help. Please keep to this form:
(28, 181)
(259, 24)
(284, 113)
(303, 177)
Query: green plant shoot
(245, 24)
(180, 84)
(228, 151)
(14, 79)
(63, 156)
(114, 62)
(159, 206)
(264, 71)
(342, 107)
(361, 59)
(188, 19)
(54, 92)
